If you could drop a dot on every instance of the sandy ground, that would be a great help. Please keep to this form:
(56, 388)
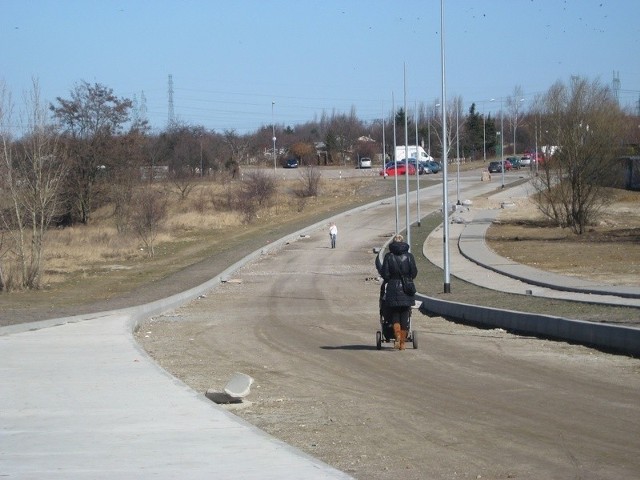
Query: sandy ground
(467, 403)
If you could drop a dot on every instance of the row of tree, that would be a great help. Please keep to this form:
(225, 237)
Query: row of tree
(85, 151)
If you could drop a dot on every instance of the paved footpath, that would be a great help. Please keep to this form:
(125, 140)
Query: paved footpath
(83, 401)
(473, 261)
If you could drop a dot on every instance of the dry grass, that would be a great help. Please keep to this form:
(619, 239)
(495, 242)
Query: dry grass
(609, 252)
(201, 220)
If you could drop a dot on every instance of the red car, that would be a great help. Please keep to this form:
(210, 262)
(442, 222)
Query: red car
(390, 169)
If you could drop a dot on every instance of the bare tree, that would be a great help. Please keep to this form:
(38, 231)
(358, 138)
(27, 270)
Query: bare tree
(514, 106)
(583, 122)
(455, 119)
(310, 180)
(34, 170)
(257, 191)
(147, 217)
(238, 148)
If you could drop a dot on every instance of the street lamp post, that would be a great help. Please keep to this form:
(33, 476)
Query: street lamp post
(395, 161)
(417, 170)
(406, 160)
(273, 131)
(445, 188)
(484, 138)
(502, 142)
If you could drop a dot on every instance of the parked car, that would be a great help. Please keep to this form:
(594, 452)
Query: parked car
(525, 160)
(515, 162)
(403, 167)
(420, 168)
(434, 166)
(290, 163)
(496, 167)
(364, 162)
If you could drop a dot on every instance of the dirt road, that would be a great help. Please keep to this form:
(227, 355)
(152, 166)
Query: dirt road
(467, 403)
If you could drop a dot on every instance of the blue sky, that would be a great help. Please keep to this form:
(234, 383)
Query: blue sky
(231, 59)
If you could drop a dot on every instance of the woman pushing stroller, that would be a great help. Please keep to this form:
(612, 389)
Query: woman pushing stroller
(398, 263)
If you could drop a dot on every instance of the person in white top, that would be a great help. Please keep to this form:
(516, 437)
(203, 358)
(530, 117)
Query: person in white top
(333, 234)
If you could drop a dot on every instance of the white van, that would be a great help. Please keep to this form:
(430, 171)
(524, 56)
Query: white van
(414, 152)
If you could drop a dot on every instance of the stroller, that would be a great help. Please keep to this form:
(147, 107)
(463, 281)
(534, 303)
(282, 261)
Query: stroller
(385, 334)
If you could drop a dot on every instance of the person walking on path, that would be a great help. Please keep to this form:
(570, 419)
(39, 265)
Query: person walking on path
(398, 263)
(333, 234)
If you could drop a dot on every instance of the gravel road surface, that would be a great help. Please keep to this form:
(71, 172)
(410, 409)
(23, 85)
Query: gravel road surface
(467, 403)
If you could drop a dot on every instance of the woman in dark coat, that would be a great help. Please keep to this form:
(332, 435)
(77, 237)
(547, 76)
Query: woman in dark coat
(398, 262)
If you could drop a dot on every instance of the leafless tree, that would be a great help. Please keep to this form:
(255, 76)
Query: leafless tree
(256, 191)
(310, 178)
(584, 123)
(514, 106)
(238, 148)
(34, 170)
(147, 217)
(455, 119)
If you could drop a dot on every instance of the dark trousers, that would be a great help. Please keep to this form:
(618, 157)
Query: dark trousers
(401, 315)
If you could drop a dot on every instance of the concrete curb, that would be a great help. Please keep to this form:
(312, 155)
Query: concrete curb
(610, 337)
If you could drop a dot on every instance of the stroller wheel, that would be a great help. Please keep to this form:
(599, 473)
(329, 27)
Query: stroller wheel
(414, 339)
(379, 340)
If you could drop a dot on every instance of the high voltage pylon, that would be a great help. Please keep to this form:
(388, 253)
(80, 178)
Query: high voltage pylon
(139, 108)
(615, 85)
(171, 119)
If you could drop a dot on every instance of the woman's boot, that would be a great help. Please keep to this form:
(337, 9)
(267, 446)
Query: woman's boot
(397, 333)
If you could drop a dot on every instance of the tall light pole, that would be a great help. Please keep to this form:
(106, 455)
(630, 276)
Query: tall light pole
(406, 159)
(395, 160)
(445, 191)
(457, 154)
(502, 141)
(418, 171)
(484, 136)
(384, 146)
(273, 131)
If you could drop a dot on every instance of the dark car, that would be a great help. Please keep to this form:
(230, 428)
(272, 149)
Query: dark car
(515, 162)
(290, 163)
(495, 167)
(422, 169)
(434, 166)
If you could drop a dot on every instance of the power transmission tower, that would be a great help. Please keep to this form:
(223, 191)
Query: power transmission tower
(172, 118)
(616, 86)
(139, 109)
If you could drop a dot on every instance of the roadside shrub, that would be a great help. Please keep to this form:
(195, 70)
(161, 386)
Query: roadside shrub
(310, 182)
(257, 192)
(150, 212)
